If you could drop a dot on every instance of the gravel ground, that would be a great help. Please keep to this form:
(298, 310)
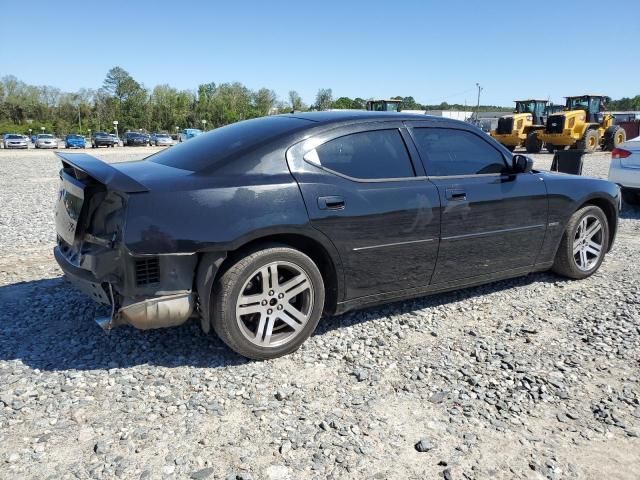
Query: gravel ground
(531, 378)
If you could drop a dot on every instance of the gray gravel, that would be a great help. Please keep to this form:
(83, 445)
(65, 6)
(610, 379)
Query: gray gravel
(534, 378)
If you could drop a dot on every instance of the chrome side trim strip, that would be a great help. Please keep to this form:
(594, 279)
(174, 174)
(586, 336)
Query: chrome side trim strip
(492, 232)
(357, 249)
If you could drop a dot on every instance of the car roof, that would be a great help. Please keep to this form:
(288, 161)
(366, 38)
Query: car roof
(346, 115)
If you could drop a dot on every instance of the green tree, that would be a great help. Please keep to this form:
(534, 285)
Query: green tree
(296, 101)
(324, 99)
(264, 101)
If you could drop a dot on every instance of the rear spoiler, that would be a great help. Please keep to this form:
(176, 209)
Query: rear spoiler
(102, 172)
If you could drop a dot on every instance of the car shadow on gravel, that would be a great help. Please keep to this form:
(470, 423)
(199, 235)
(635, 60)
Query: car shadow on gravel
(432, 301)
(630, 212)
(48, 325)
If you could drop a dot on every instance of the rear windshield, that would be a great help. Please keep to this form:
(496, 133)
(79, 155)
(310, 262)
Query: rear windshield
(217, 145)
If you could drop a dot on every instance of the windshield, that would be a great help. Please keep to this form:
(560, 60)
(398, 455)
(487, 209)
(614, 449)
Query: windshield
(162, 135)
(14, 136)
(102, 134)
(578, 103)
(45, 135)
(525, 107)
(223, 143)
(75, 137)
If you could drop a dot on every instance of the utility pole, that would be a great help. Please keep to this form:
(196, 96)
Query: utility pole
(478, 105)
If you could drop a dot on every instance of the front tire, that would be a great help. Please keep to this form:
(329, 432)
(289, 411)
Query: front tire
(614, 136)
(589, 141)
(533, 144)
(583, 245)
(268, 303)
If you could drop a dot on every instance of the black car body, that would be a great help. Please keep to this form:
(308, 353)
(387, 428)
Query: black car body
(135, 139)
(387, 206)
(101, 139)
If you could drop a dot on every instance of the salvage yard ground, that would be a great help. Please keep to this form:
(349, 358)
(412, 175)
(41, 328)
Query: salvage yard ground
(533, 378)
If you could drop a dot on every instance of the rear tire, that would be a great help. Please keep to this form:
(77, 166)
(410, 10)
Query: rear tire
(533, 144)
(569, 261)
(273, 324)
(613, 137)
(589, 141)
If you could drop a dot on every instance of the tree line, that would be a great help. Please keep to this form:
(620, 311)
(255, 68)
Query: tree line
(165, 108)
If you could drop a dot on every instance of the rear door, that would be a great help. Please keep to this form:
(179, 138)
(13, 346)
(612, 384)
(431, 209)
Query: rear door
(492, 220)
(363, 190)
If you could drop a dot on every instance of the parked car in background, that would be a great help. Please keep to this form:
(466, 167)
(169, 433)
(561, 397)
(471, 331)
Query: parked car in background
(74, 141)
(625, 169)
(135, 139)
(13, 140)
(189, 133)
(46, 140)
(160, 139)
(115, 139)
(101, 139)
(262, 226)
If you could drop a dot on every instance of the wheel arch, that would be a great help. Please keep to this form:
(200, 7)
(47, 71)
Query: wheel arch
(213, 264)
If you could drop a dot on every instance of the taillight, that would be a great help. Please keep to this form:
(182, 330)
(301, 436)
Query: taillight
(620, 153)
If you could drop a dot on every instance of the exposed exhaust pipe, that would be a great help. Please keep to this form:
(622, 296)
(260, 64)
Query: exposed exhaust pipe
(159, 312)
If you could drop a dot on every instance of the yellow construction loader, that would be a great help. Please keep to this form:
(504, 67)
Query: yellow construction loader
(584, 125)
(521, 127)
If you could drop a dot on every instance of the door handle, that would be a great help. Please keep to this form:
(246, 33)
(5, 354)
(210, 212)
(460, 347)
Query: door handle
(331, 203)
(455, 194)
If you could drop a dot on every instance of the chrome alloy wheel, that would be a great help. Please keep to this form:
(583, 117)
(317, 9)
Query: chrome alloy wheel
(274, 304)
(587, 243)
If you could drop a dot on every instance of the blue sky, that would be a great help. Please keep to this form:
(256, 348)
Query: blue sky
(433, 50)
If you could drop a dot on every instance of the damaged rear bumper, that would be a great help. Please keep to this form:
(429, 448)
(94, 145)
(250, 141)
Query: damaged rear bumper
(162, 305)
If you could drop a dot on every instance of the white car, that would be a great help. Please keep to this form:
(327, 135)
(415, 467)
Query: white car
(625, 169)
(46, 140)
(12, 140)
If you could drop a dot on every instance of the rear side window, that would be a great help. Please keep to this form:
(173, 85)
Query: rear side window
(451, 152)
(366, 155)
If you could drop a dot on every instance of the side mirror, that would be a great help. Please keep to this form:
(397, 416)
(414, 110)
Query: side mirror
(521, 164)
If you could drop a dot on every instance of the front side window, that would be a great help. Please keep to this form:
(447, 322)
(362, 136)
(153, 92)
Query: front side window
(451, 152)
(370, 155)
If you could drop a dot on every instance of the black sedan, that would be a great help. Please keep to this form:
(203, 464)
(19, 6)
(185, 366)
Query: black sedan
(260, 227)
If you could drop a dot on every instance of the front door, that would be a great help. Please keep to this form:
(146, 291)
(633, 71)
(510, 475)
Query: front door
(363, 190)
(493, 221)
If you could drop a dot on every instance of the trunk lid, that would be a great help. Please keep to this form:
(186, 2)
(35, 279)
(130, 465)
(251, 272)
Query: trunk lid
(85, 182)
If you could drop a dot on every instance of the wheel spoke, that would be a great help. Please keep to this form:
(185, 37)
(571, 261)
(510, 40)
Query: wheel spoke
(246, 300)
(593, 248)
(273, 271)
(291, 283)
(592, 230)
(577, 245)
(583, 258)
(284, 316)
(295, 313)
(267, 336)
(249, 309)
(304, 285)
(266, 284)
(581, 228)
(260, 329)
